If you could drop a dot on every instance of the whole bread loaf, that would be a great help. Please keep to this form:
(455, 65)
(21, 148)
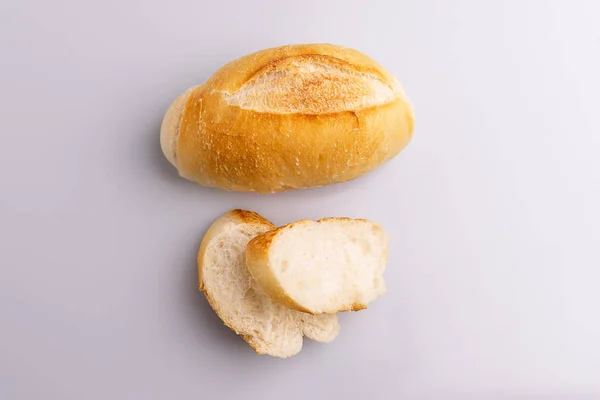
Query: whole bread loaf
(290, 117)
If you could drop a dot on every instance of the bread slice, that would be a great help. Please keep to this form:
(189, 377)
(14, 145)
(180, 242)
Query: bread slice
(268, 327)
(334, 264)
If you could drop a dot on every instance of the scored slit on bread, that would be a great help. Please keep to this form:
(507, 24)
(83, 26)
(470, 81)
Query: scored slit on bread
(325, 266)
(268, 327)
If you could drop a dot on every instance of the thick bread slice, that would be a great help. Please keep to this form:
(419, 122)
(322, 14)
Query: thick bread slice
(335, 264)
(268, 327)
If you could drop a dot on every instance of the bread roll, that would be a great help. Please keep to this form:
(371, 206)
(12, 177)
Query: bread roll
(290, 117)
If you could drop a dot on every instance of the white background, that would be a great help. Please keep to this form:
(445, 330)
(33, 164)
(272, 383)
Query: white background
(493, 210)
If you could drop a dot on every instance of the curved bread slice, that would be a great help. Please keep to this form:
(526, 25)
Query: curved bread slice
(335, 264)
(268, 327)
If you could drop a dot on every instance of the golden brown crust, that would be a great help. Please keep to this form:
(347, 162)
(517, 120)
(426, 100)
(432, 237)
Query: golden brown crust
(236, 148)
(358, 307)
(249, 217)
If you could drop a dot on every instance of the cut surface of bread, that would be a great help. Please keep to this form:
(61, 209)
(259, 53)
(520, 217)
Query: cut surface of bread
(325, 266)
(268, 327)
